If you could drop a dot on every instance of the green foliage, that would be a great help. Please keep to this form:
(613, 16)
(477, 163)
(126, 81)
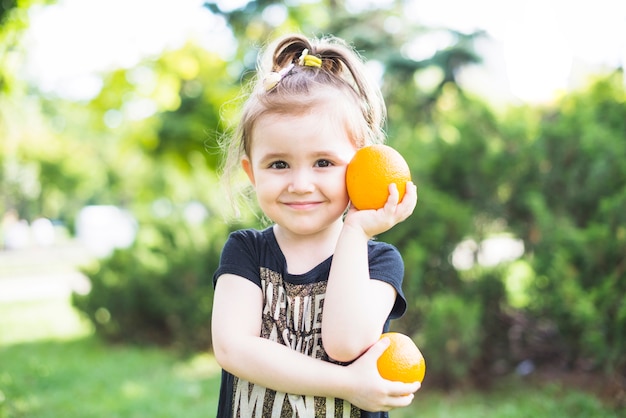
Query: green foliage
(160, 290)
(457, 316)
(185, 89)
(567, 202)
(553, 177)
(451, 335)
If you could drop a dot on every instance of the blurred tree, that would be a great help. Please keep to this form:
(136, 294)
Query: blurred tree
(206, 84)
(20, 118)
(165, 113)
(5, 9)
(13, 22)
(566, 198)
(396, 35)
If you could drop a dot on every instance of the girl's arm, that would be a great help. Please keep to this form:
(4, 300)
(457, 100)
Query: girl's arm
(239, 349)
(356, 307)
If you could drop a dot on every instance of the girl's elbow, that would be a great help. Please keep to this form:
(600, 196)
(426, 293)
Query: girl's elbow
(343, 349)
(220, 355)
(342, 355)
(223, 355)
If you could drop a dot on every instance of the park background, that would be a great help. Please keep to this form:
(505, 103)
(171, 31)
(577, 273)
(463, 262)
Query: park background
(512, 116)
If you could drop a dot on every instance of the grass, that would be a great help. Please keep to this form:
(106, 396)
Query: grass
(512, 400)
(52, 365)
(84, 378)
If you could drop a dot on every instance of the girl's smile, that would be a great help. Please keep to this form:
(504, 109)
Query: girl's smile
(302, 205)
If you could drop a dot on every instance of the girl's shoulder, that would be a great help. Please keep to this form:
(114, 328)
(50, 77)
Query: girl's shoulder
(252, 235)
(258, 242)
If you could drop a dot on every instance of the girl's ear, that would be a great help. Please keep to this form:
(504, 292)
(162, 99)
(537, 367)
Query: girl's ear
(246, 164)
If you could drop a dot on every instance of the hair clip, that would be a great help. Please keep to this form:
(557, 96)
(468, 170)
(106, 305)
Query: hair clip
(272, 79)
(309, 60)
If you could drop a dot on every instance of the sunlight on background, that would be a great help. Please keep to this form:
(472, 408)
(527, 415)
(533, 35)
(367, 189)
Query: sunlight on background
(540, 46)
(38, 319)
(537, 47)
(70, 42)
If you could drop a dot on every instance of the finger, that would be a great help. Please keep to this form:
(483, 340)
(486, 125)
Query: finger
(393, 402)
(411, 190)
(412, 187)
(404, 389)
(400, 389)
(392, 200)
(394, 194)
(410, 196)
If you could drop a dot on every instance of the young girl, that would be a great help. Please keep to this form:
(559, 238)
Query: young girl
(300, 306)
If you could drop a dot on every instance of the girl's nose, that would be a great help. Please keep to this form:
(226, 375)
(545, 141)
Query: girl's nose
(301, 181)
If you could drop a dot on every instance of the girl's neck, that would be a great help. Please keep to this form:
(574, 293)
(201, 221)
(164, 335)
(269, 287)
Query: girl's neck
(304, 252)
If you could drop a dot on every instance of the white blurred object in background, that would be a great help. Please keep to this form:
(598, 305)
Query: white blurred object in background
(488, 253)
(42, 231)
(16, 235)
(104, 228)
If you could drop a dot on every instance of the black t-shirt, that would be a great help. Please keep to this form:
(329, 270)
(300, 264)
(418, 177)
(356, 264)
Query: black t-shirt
(292, 316)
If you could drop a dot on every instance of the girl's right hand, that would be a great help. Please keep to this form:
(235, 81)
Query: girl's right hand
(374, 222)
(369, 391)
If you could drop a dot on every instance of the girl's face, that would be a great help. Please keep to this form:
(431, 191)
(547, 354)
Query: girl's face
(297, 165)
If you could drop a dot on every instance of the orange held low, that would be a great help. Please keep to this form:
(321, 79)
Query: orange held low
(402, 361)
(370, 172)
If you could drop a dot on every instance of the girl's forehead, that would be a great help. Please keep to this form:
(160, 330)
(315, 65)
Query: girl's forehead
(301, 132)
(322, 110)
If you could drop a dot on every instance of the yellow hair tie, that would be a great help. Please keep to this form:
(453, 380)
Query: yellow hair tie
(309, 60)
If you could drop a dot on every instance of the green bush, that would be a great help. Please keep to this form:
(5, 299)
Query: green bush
(159, 290)
(554, 177)
(450, 339)
(568, 193)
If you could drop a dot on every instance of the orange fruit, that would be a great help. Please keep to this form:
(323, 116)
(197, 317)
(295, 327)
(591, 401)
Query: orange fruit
(402, 361)
(370, 172)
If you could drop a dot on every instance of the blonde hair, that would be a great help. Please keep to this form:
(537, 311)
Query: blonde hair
(302, 88)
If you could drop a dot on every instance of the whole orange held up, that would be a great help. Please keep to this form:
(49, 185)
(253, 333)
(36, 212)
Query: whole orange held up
(402, 361)
(370, 172)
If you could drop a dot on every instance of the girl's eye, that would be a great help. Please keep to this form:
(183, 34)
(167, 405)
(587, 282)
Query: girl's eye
(279, 165)
(323, 163)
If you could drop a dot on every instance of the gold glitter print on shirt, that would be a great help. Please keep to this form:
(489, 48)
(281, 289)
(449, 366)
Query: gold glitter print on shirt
(292, 316)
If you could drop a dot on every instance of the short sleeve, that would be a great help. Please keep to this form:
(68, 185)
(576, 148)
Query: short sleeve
(386, 264)
(240, 256)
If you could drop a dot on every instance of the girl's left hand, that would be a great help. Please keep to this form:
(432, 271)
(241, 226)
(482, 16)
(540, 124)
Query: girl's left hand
(374, 222)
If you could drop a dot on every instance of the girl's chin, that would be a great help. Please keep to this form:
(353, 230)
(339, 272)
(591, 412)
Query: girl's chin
(306, 228)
